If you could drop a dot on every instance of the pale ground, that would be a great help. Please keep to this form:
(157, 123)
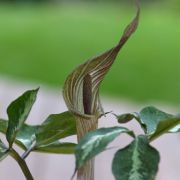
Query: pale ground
(60, 167)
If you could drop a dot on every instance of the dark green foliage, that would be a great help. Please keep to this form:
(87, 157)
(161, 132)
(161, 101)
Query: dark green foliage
(55, 127)
(151, 117)
(95, 142)
(25, 136)
(3, 126)
(57, 148)
(153, 121)
(169, 125)
(137, 161)
(40, 138)
(18, 112)
(3, 151)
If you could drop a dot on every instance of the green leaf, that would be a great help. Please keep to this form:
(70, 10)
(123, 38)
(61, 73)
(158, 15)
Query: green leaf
(3, 126)
(175, 129)
(137, 161)
(95, 142)
(3, 151)
(124, 118)
(166, 126)
(148, 118)
(151, 117)
(18, 112)
(57, 148)
(24, 137)
(55, 127)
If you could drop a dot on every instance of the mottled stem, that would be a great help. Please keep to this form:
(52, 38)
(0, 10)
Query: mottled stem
(84, 126)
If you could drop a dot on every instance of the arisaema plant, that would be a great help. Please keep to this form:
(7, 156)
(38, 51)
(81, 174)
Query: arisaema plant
(137, 161)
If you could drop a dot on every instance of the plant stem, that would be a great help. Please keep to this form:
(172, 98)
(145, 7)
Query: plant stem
(26, 153)
(84, 126)
(22, 164)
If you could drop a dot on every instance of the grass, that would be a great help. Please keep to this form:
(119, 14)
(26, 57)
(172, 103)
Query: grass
(44, 44)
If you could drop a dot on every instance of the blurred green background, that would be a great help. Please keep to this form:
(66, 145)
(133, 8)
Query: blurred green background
(43, 42)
